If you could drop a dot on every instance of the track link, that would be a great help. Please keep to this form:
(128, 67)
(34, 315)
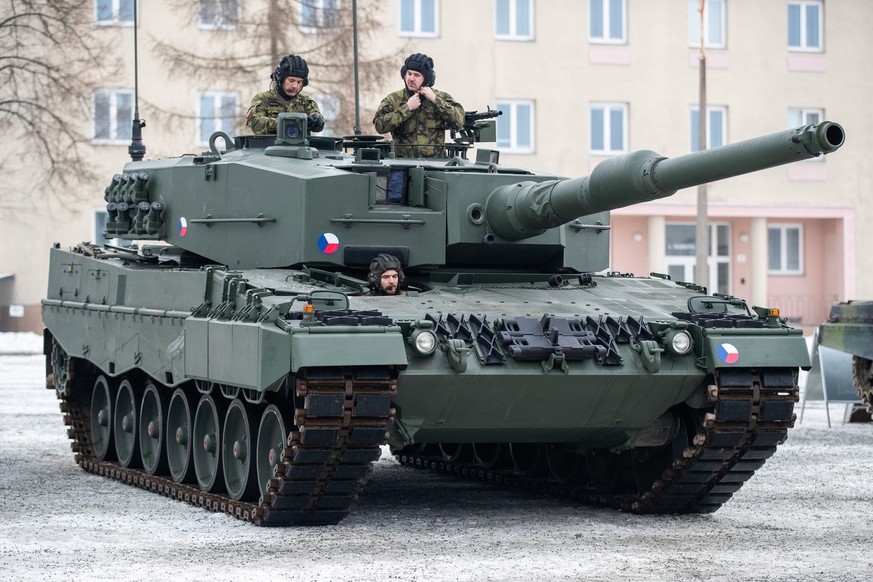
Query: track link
(338, 431)
(751, 414)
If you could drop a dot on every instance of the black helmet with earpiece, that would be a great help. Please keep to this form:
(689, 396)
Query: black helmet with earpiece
(423, 64)
(290, 66)
(381, 263)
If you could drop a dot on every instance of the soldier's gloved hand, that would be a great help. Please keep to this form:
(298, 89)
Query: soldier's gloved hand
(315, 122)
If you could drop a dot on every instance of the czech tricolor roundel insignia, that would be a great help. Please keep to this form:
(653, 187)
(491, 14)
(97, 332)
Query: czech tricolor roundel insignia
(328, 243)
(183, 226)
(728, 353)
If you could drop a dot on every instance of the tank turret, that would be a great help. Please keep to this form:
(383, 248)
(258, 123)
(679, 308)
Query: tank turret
(294, 199)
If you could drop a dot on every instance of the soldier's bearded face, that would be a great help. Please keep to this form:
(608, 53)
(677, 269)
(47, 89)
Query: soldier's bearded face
(389, 281)
(292, 85)
(414, 80)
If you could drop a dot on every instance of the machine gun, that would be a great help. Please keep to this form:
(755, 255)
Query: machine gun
(477, 128)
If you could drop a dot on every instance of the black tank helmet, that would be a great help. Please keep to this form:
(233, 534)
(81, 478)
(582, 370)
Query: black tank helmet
(291, 66)
(381, 263)
(423, 64)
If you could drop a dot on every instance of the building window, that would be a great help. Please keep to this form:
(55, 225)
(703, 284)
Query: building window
(113, 116)
(114, 11)
(319, 15)
(713, 20)
(515, 128)
(785, 249)
(219, 14)
(805, 26)
(607, 22)
(513, 19)
(798, 117)
(681, 254)
(419, 17)
(218, 112)
(716, 127)
(608, 128)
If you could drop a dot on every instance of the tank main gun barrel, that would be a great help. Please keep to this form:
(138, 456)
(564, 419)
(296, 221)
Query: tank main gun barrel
(526, 209)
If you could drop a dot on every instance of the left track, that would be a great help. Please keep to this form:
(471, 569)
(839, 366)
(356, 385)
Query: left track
(340, 417)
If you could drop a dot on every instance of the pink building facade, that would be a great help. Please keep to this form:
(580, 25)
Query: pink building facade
(794, 259)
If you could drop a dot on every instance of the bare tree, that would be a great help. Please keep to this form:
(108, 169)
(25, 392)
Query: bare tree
(50, 60)
(320, 31)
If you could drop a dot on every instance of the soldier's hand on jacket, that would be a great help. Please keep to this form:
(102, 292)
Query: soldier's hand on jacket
(428, 94)
(414, 102)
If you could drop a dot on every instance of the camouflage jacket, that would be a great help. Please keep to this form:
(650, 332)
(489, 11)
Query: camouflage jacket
(420, 133)
(267, 105)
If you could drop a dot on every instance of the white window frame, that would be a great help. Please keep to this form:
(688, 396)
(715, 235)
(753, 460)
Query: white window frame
(217, 122)
(714, 16)
(322, 8)
(116, 11)
(608, 109)
(114, 137)
(512, 7)
(510, 116)
(712, 112)
(714, 258)
(782, 229)
(221, 23)
(798, 116)
(804, 42)
(607, 19)
(416, 17)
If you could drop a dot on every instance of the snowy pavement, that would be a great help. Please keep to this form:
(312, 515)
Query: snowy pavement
(807, 514)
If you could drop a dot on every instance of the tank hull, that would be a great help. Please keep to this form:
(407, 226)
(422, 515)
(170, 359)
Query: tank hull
(239, 355)
(603, 384)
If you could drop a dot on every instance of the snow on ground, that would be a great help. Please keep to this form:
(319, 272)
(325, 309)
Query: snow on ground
(807, 514)
(20, 343)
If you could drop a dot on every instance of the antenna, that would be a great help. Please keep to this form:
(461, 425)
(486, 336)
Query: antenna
(136, 149)
(357, 93)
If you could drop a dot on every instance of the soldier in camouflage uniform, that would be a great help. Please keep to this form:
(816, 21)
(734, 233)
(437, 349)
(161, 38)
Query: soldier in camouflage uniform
(417, 116)
(284, 95)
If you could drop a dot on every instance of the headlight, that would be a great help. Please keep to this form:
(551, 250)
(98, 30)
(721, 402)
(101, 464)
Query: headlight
(679, 342)
(424, 341)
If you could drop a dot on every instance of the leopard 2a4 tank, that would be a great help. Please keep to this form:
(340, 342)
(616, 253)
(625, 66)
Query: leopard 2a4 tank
(233, 358)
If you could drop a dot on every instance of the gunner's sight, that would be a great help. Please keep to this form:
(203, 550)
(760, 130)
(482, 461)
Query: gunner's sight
(291, 129)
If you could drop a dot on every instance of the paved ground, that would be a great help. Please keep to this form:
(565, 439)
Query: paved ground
(806, 515)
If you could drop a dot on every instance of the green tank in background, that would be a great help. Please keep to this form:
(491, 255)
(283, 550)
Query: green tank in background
(849, 329)
(234, 359)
